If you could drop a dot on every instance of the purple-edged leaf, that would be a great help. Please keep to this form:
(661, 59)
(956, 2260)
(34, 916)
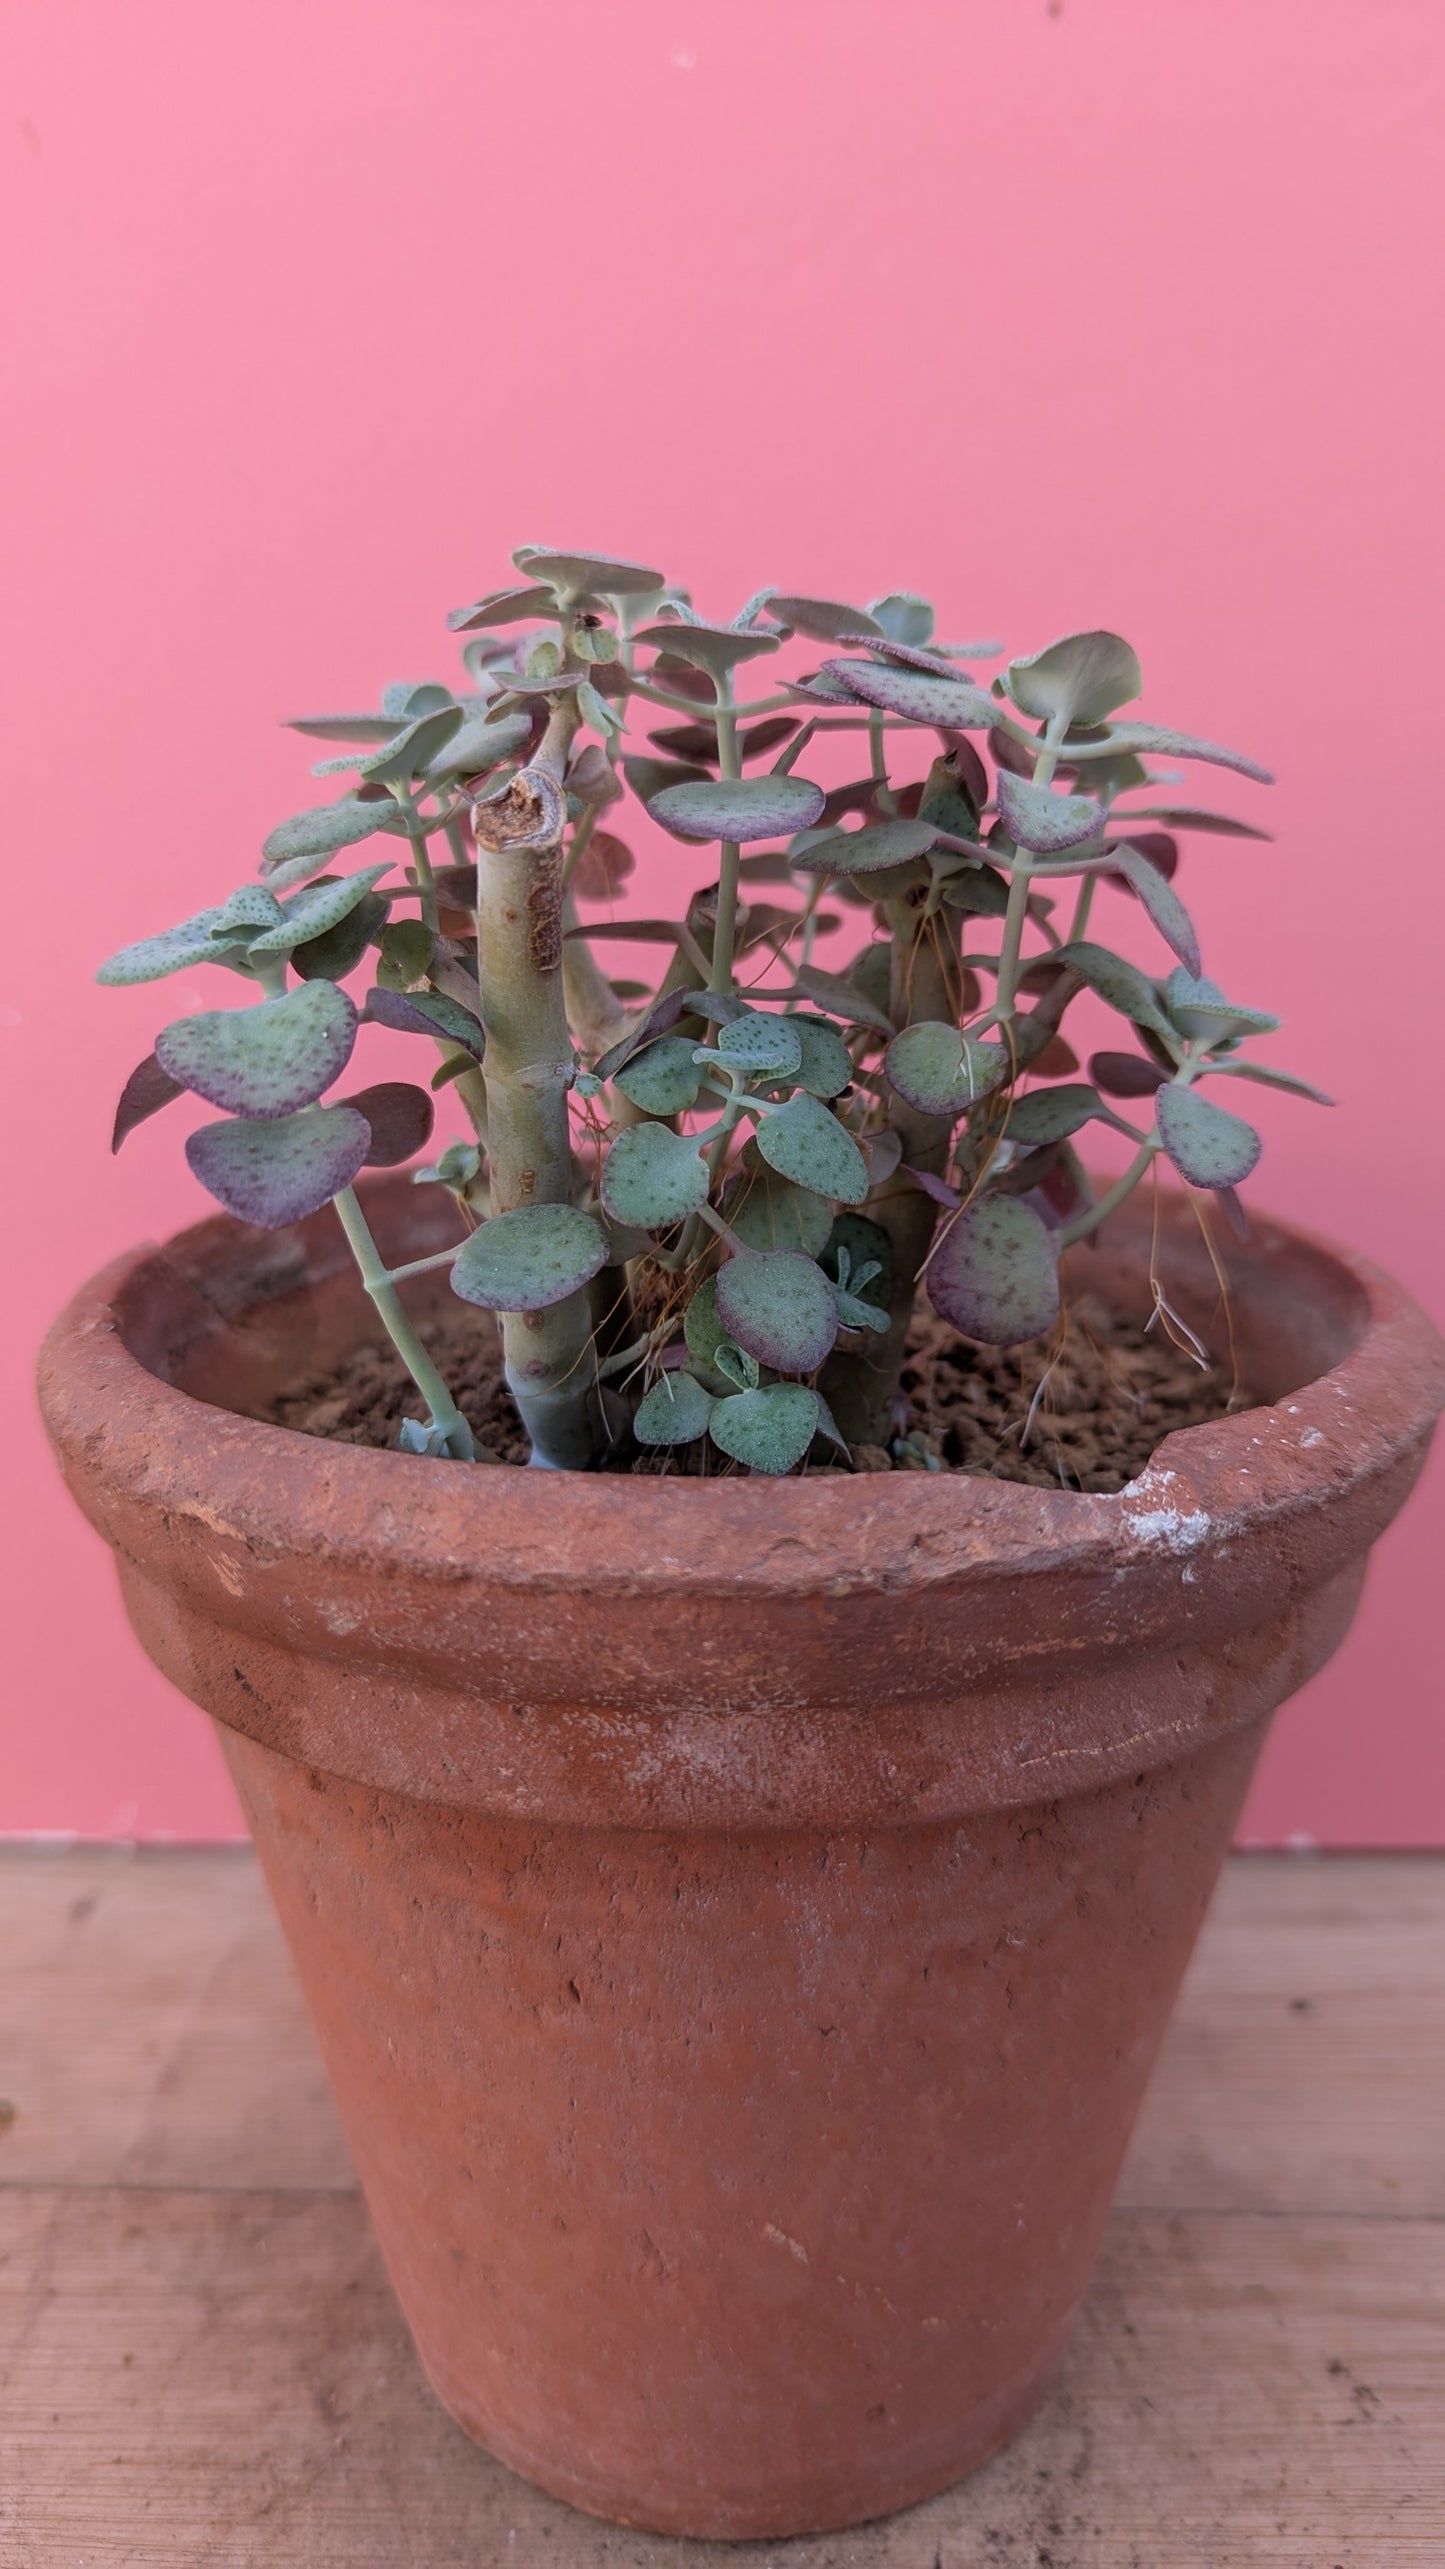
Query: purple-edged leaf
(311, 913)
(904, 617)
(940, 1071)
(674, 1412)
(951, 704)
(1125, 1074)
(1177, 816)
(739, 811)
(1233, 1212)
(268, 1061)
(769, 1430)
(414, 748)
(400, 1117)
(1161, 851)
(1163, 904)
(717, 648)
(1207, 1145)
(659, 1019)
(652, 1177)
(295, 848)
(1270, 1078)
(147, 1090)
(172, 951)
(274, 1173)
(603, 867)
(1084, 677)
(883, 1153)
(820, 689)
(246, 913)
(1199, 1009)
(500, 606)
(425, 1012)
(827, 1065)
(529, 1259)
(995, 1274)
(866, 851)
(1044, 822)
(480, 745)
(587, 574)
(779, 1307)
(937, 1187)
(338, 950)
(1120, 984)
(823, 619)
(1147, 739)
(1052, 1114)
(804, 1142)
(839, 998)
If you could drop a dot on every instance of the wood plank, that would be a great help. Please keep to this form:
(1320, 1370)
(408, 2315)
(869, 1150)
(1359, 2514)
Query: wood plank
(224, 2379)
(152, 2033)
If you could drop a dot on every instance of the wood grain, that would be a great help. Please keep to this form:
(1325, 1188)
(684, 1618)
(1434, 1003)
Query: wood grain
(200, 2361)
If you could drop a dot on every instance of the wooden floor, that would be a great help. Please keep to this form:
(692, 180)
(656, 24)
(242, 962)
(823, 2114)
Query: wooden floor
(200, 2361)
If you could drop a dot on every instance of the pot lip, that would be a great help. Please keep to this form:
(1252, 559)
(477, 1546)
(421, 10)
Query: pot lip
(125, 1429)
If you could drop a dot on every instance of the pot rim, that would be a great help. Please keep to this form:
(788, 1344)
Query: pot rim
(1342, 1428)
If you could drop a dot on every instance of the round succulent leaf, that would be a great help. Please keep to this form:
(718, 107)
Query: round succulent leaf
(530, 1258)
(652, 1177)
(866, 851)
(173, 950)
(1121, 985)
(147, 1090)
(1084, 677)
(940, 1071)
(949, 704)
(1150, 739)
(425, 1012)
(1045, 822)
(664, 1079)
(770, 1430)
(339, 950)
(270, 1173)
(826, 1067)
(321, 906)
(903, 617)
(761, 1044)
(649, 776)
(1125, 1074)
(295, 848)
(853, 999)
(501, 606)
(1052, 1114)
(1163, 904)
(738, 809)
(481, 744)
(702, 1330)
(1208, 1145)
(768, 1212)
(822, 619)
(265, 1061)
(246, 912)
(674, 1412)
(806, 1143)
(413, 749)
(1221, 1022)
(780, 1307)
(587, 574)
(978, 890)
(857, 1243)
(400, 1117)
(714, 647)
(995, 1273)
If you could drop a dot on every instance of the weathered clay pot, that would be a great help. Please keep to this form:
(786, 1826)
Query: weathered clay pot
(739, 1919)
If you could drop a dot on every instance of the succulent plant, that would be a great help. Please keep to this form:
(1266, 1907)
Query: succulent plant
(704, 1209)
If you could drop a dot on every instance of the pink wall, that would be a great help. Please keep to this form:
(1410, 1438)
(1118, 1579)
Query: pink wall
(1113, 313)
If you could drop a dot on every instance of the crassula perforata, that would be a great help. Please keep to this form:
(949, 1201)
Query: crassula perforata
(704, 1209)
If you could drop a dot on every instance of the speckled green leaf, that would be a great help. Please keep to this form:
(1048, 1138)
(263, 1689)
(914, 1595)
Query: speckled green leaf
(652, 1177)
(940, 1071)
(1084, 676)
(1148, 739)
(701, 1327)
(778, 1306)
(738, 809)
(265, 1061)
(760, 1044)
(1042, 821)
(664, 1079)
(949, 704)
(674, 1412)
(310, 913)
(1051, 1114)
(1207, 1145)
(866, 851)
(769, 1212)
(480, 745)
(1119, 983)
(530, 1258)
(174, 950)
(804, 1142)
(822, 619)
(295, 848)
(770, 1430)
(826, 1068)
(1198, 1007)
(247, 913)
(995, 1274)
(861, 1244)
(274, 1173)
(413, 749)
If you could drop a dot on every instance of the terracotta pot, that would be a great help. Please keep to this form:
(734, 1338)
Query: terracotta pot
(739, 1919)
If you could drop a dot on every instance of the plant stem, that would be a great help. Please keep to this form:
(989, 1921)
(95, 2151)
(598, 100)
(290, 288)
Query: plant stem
(1084, 1223)
(729, 767)
(886, 799)
(444, 1416)
(1082, 907)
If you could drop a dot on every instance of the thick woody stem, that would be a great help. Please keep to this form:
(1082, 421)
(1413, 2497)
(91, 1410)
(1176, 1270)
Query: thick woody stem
(529, 1069)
